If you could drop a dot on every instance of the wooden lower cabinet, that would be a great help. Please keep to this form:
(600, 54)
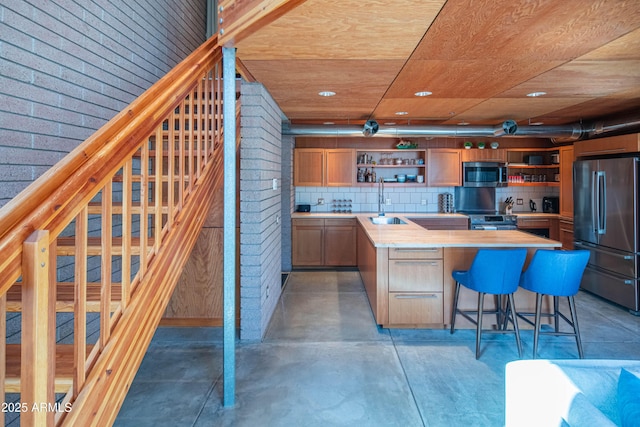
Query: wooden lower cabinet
(566, 233)
(340, 242)
(323, 242)
(307, 242)
(530, 224)
(415, 284)
(409, 309)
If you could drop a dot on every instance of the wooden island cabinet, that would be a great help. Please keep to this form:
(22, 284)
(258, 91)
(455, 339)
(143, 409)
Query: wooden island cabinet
(406, 271)
(415, 286)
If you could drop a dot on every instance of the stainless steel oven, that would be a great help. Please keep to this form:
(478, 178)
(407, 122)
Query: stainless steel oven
(484, 174)
(494, 221)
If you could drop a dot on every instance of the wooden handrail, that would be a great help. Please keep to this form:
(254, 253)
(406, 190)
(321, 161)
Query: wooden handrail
(54, 199)
(138, 192)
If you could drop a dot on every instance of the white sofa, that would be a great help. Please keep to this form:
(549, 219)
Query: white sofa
(564, 392)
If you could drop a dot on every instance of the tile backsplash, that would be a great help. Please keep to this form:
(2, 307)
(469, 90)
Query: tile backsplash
(408, 199)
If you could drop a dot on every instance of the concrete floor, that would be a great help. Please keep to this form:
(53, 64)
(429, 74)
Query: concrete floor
(324, 362)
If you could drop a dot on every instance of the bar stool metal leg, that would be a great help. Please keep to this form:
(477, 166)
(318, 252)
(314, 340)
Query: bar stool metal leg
(536, 331)
(576, 329)
(511, 311)
(479, 323)
(455, 307)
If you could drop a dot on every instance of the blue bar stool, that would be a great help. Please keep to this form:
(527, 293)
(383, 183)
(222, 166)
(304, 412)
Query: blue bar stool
(556, 273)
(496, 272)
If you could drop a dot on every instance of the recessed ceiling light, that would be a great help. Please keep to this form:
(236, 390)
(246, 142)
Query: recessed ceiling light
(326, 93)
(328, 123)
(534, 94)
(401, 113)
(536, 123)
(423, 93)
(463, 123)
(389, 123)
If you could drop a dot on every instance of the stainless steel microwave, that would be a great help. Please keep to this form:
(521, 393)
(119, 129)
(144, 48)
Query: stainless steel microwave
(484, 174)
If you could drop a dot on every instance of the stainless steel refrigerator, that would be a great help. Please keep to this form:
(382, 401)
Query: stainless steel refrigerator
(606, 223)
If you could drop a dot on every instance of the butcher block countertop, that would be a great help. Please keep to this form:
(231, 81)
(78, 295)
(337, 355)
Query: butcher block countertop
(330, 215)
(411, 235)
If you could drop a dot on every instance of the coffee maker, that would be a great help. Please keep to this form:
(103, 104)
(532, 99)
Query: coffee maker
(551, 204)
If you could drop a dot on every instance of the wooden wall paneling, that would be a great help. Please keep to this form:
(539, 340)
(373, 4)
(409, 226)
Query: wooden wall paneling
(566, 181)
(197, 298)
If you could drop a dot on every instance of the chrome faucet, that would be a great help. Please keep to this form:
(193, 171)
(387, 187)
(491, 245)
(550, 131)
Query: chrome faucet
(381, 197)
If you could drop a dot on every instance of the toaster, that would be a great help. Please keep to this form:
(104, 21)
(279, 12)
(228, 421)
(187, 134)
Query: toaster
(551, 205)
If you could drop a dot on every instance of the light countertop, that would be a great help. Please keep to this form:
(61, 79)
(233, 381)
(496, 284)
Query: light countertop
(354, 215)
(411, 235)
(412, 215)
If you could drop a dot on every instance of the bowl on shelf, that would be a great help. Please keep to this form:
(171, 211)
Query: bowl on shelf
(411, 178)
(401, 178)
(494, 145)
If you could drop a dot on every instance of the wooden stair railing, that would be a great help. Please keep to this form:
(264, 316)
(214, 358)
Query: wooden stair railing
(108, 230)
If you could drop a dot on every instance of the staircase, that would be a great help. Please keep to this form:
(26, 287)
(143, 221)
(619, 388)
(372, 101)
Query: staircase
(106, 233)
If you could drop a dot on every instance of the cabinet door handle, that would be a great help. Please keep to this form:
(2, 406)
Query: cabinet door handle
(432, 263)
(421, 296)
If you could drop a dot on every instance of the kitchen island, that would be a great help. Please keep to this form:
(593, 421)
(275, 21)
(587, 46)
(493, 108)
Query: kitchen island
(406, 270)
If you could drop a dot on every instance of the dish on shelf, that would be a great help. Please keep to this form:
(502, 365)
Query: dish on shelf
(403, 145)
(390, 179)
(411, 178)
(494, 145)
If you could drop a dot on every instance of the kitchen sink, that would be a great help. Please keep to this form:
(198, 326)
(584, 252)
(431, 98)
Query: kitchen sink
(386, 220)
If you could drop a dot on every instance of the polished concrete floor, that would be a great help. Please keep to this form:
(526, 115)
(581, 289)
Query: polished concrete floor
(323, 362)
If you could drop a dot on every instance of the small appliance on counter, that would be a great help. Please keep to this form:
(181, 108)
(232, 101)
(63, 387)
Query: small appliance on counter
(551, 205)
(303, 208)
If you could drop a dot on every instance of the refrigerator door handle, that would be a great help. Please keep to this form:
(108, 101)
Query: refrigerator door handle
(602, 202)
(595, 202)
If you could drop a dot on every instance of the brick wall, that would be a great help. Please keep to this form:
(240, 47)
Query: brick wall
(260, 210)
(66, 68)
(288, 199)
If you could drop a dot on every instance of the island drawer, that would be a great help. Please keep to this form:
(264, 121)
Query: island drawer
(415, 275)
(415, 308)
(415, 253)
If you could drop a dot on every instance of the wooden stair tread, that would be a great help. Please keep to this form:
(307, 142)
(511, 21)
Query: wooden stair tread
(66, 246)
(65, 297)
(64, 368)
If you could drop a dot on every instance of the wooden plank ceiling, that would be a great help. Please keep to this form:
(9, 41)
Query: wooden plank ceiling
(479, 58)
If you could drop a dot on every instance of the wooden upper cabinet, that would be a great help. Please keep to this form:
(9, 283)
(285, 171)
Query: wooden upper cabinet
(318, 167)
(485, 155)
(443, 167)
(339, 167)
(612, 145)
(566, 181)
(308, 167)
